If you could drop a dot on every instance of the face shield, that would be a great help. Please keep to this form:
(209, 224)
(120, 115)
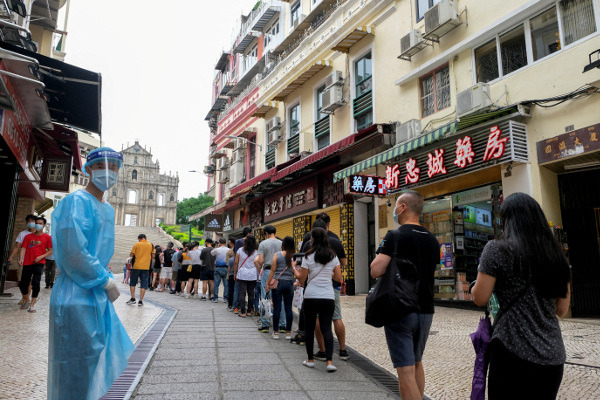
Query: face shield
(103, 163)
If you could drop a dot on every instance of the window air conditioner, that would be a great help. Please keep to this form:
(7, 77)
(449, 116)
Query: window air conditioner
(473, 99)
(223, 176)
(408, 130)
(273, 137)
(223, 163)
(273, 124)
(335, 78)
(439, 15)
(209, 169)
(238, 154)
(410, 41)
(332, 99)
(236, 174)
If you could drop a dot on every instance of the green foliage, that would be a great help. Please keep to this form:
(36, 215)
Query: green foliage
(192, 206)
(175, 231)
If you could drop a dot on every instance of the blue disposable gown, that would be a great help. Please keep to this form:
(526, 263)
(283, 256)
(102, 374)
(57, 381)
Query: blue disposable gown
(88, 345)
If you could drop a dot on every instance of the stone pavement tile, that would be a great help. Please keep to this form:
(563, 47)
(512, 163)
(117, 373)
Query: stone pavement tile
(192, 352)
(278, 374)
(168, 388)
(241, 383)
(333, 383)
(189, 362)
(265, 395)
(225, 368)
(257, 348)
(329, 395)
(188, 377)
(251, 359)
(179, 396)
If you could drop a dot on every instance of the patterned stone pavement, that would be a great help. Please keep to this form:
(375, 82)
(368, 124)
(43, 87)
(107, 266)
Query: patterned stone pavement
(24, 342)
(449, 355)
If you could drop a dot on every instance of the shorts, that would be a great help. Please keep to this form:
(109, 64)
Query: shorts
(406, 338)
(337, 312)
(142, 274)
(156, 270)
(182, 273)
(207, 274)
(195, 274)
(166, 273)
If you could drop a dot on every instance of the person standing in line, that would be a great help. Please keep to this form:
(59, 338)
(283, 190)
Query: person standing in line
(166, 274)
(207, 274)
(34, 250)
(177, 267)
(233, 287)
(194, 270)
(88, 346)
(50, 271)
(246, 274)
(281, 270)
(156, 270)
(529, 273)
(143, 251)
(219, 254)
(407, 337)
(239, 243)
(319, 265)
(30, 221)
(175, 286)
(185, 267)
(266, 251)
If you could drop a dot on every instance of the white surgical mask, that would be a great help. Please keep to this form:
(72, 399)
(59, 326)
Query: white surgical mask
(39, 227)
(30, 225)
(104, 179)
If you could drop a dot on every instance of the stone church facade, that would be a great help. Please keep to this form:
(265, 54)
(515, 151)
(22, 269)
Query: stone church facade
(143, 196)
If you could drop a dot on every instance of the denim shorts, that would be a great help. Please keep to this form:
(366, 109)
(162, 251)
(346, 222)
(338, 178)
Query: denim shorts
(406, 338)
(142, 274)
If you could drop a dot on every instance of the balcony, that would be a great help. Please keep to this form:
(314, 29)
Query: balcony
(260, 17)
(223, 61)
(247, 38)
(249, 76)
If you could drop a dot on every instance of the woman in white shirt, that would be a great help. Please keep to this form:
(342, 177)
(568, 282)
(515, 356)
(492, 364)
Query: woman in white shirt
(319, 264)
(246, 274)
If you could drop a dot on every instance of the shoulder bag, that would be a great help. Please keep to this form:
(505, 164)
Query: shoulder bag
(274, 282)
(395, 293)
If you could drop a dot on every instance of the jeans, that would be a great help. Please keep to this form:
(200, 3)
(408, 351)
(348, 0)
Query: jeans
(220, 275)
(232, 292)
(50, 272)
(324, 308)
(246, 287)
(283, 294)
(257, 290)
(32, 274)
(263, 284)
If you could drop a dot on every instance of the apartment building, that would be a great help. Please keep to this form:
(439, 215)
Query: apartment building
(464, 101)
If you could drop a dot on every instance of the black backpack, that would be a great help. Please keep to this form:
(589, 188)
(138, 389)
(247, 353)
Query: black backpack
(395, 293)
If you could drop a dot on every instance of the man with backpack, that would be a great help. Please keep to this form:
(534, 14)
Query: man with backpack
(407, 337)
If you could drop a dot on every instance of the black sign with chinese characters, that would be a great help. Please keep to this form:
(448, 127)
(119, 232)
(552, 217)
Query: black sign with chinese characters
(367, 185)
(584, 140)
(56, 174)
(298, 198)
(459, 154)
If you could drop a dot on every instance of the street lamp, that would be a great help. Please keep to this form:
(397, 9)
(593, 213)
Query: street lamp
(244, 139)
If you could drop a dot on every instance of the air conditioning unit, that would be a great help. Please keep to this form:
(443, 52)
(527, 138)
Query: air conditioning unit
(238, 155)
(273, 124)
(274, 138)
(332, 99)
(209, 170)
(439, 15)
(473, 99)
(223, 163)
(410, 41)
(236, 174)
(408, 130)
(335, 78)
(223, 176)
(298, 21)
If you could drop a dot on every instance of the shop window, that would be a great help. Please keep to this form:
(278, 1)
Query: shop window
(423, 6)
(363, 102)
(161, 199)
(134, 175)
(486, 62)
(435, 91)
(172, 198)
(513, 51)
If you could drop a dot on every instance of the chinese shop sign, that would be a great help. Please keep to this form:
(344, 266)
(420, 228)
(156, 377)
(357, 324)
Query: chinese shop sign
(301, 197)
(570, 144)
(367, 185)
(459, 154)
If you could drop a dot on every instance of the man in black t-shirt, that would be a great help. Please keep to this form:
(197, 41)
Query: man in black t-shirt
(406, 338)
(167, 270)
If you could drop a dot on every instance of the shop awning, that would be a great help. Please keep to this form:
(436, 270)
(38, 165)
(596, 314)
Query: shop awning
(223, 60)
(302, 79)
(265, 108)
(254, 181)
(354, 37)
(74, 93)
(59, 141)
(226, 88)
(396, 151)
(475, 119)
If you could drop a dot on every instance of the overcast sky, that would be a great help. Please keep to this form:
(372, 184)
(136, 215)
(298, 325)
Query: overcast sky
(157, 63)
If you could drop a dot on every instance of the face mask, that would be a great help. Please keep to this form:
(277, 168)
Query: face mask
(39, 227)
(30, 225)
(396, 216)
(104, 179)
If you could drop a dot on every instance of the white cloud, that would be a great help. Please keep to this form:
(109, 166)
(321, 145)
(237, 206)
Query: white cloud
(157, 63)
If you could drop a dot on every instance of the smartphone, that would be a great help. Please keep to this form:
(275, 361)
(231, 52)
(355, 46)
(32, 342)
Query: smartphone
(298, 258)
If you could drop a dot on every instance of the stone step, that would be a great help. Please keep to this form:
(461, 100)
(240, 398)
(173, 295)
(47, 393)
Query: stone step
(127, 236)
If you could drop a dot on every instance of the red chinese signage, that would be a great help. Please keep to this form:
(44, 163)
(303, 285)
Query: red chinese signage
(449, 158)
(367, 185)
(16, 130)
(299, 198)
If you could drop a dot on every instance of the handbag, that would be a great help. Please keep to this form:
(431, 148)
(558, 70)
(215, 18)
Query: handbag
(274, 282)
(395, 293)
(298, 296)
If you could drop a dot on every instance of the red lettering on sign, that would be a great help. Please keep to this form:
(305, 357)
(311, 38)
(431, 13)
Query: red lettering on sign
(464, 152)
(436, 163)
(412, 172)
(391, 176)
(495, 145)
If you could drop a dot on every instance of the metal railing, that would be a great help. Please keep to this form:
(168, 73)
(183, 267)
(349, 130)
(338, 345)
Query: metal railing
(251, 86)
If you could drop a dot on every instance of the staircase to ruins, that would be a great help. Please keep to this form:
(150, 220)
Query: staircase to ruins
(127, 236)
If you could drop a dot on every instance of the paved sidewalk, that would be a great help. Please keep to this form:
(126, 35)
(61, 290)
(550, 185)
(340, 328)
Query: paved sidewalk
(24, 341)
(209, 353)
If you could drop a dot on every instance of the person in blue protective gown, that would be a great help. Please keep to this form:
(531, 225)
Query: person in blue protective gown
(88, 345)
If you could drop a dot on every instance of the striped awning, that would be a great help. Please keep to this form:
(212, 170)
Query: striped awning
(302, 79)
(354, 37)
(396, 151)
(265, 108)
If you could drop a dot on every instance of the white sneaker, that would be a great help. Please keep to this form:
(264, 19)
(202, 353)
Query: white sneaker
(288, 336)
(331, 368)
(187, 296)
(275, 335)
